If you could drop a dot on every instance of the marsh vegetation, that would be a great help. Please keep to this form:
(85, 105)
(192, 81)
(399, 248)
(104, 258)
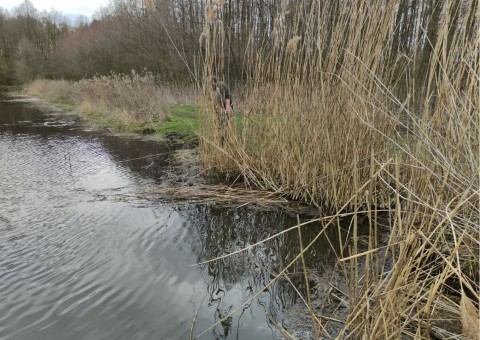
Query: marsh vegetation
(370, 107)
(366, 108)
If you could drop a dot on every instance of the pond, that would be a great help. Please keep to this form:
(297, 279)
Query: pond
(74, 265)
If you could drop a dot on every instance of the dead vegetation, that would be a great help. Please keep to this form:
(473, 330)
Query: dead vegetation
(218, 194)
(123, 102)
(365, 106)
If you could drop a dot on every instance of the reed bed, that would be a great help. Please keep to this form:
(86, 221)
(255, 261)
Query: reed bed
(339, 114)
(118, 101)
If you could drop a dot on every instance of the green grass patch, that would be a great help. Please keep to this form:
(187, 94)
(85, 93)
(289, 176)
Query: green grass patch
(183, 121)
(185, 111)
(64, 105)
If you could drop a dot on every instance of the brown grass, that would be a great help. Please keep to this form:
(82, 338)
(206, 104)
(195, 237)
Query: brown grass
(118, 101)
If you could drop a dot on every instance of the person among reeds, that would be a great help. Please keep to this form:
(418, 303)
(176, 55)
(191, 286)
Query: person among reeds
(223, 106)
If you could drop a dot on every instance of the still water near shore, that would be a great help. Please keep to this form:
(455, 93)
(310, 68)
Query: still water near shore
(74, 265)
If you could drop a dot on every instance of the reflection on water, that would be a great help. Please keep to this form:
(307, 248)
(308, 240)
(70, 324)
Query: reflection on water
(143, 157)
(75, 267)
(213, 232)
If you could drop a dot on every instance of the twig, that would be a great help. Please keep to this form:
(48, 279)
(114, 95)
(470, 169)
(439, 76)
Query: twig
(193, 324)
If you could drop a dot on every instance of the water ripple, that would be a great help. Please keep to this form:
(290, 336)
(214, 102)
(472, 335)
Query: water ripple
(74, 267)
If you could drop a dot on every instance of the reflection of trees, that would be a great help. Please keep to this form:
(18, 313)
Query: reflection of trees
(13, 113)
(213, 232)
(143, 157)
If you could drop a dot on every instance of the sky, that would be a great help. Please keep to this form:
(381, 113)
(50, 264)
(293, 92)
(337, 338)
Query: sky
(67, 7)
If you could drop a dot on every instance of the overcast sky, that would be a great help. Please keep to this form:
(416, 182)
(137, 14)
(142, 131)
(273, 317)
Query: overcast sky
(69, 7)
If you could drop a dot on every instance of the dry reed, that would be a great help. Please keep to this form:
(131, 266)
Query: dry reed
(343, 117)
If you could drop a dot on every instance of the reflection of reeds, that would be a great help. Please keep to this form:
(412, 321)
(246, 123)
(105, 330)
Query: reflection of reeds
(346, 119)
(251, 268)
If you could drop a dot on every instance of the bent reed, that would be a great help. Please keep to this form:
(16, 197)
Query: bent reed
(368, 106)
(131, 102)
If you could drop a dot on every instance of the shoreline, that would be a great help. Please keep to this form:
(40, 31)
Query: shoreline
(138, 107)
(186, 162)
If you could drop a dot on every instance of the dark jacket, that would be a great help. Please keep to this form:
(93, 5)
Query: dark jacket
(222, 92)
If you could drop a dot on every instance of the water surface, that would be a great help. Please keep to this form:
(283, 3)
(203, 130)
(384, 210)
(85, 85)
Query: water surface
(76, 266)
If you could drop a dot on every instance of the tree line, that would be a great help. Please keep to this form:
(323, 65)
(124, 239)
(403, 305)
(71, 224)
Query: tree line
(28, 40)
(166, 37)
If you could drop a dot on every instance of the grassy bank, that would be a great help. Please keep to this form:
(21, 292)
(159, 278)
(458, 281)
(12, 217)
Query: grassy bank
(345, 117)
(125, 103)
(183, 120)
